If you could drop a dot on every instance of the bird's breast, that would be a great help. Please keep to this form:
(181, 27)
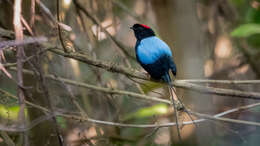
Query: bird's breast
(150, 50)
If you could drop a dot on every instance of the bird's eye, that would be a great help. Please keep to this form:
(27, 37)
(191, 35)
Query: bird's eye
(140, 28)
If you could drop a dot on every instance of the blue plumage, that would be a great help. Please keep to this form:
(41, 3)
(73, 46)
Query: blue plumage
(153, 54)
(155, 57)
(151, 49)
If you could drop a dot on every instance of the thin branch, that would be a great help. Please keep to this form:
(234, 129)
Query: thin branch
(59, 28)
(26, 59)
(80, 118)
(7, 33)
(7, 139)
(104, 65)
(42, 81)
(19, 55)
(24, 22)
(9, 95)
(217, 91)
(124, 53)
(121, 47)
(139, 75)
(222, 81)
(27, 26)
(32, 13)
(29, 40)
(127, 10)
(44, 9)
(101, 89)
(225, 119)
(136, 74)
(26, 128)
(215, 117)
(175, 111)
(72, 96)
(48, 13)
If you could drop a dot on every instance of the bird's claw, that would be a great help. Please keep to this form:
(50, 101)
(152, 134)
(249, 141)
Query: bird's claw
(147, 75)
(179, 105)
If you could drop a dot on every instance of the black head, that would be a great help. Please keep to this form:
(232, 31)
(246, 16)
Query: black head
(142, 31)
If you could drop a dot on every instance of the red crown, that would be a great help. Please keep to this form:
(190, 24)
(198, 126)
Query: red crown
(145, 26)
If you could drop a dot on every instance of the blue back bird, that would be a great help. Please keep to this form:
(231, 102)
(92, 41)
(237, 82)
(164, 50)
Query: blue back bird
(153, 54)
(155, 57)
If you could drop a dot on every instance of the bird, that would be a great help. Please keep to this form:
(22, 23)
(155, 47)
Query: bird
(155, 56)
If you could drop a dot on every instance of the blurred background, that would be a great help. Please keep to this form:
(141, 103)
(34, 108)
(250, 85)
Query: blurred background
(210, 39)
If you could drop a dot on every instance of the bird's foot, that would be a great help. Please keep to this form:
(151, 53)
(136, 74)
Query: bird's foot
(147, 75)
(179, 105)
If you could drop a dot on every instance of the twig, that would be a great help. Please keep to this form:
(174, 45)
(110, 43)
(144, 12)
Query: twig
(175, 112)
(32, 13)
(101, 89)
(9, 95)
(156, 99)
(47, 12)
(49, 101)
(215, 117)
(225, 119)
(124, 53)
(26, 59)
(73, 98)
(24, 22)
(104, 65)
(20, 54)
(139, 75)
(136, 74)
(26, 41)
(7, 139)
(59, 29)
(182, 107)
(121, 47)
(222, 81)
(2, 68)
(127, 10)
(218, 91)
(27, 26)
(26, 128)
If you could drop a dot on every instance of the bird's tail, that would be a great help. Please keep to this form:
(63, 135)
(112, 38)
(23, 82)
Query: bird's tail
(177, 105)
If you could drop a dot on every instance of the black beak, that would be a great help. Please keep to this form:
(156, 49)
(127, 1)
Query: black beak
(131, 28)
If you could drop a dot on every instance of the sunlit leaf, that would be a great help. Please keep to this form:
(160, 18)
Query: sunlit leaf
(10, 113)
(246, 30)
(158, 109)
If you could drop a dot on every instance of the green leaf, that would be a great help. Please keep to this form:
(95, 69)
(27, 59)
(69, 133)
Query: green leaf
(158, 109)
(11, 113)
(253, 15)
(62, 122)
(246, 30)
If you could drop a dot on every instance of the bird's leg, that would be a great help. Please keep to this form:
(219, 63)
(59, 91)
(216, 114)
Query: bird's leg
(181, 106)
(175, 111)
(147, 75)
